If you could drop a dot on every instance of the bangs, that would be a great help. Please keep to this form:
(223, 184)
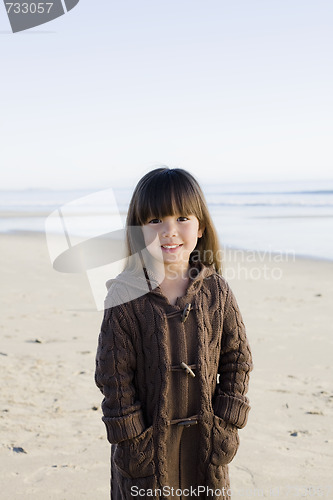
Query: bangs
(167, 194)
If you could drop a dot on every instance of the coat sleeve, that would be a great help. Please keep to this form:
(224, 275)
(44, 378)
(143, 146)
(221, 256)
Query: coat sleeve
(235, 364)
(114, 374)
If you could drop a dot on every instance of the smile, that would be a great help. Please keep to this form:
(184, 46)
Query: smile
(171, 246)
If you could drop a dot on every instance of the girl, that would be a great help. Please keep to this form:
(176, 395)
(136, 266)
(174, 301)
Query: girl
(173, 359)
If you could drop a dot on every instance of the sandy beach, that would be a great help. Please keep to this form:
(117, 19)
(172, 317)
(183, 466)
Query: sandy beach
(53, 442)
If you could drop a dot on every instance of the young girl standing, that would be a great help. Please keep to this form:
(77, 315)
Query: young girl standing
(173, 360)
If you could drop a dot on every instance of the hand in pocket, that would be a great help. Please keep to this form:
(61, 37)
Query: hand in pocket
(225, 441)
(134, 458)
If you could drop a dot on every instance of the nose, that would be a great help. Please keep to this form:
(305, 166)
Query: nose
(169, 229)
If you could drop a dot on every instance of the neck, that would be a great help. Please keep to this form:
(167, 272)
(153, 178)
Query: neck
(173, 273)
(170, 273)
(175, 285)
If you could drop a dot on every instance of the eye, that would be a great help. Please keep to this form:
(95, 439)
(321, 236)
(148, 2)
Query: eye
(182, 219)
(154, 221)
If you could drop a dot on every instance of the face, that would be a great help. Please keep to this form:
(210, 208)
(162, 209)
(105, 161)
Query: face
(172, 239)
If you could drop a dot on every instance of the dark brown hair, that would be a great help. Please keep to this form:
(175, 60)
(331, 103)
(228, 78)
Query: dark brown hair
(169, 191)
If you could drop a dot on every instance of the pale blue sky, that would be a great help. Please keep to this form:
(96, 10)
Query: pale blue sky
(234, 90)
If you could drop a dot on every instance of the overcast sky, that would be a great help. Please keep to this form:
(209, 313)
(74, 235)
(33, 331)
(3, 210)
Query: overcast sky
(230, 90)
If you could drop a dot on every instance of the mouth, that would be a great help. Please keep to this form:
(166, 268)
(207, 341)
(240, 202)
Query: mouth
(171, 248)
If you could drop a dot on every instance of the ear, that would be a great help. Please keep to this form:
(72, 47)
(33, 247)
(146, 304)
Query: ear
(200, 232)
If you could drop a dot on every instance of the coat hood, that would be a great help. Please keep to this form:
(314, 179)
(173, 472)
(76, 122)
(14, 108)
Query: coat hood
(128, 285)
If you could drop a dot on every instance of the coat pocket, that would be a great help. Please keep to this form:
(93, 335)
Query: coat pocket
(134, 458)
(225, 441)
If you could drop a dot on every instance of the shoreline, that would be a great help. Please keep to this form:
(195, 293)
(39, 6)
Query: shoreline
(263, 254)
(26, 214)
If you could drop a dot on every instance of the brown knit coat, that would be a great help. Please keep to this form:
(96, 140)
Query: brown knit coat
(167, 428)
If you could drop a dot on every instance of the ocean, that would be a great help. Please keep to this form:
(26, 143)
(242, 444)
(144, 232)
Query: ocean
(282, 217)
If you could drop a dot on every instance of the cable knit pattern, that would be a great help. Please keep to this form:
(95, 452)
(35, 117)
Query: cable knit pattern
(135, 372)
(235, 364)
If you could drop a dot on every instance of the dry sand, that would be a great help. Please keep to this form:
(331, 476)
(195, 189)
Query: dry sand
(52, 440)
